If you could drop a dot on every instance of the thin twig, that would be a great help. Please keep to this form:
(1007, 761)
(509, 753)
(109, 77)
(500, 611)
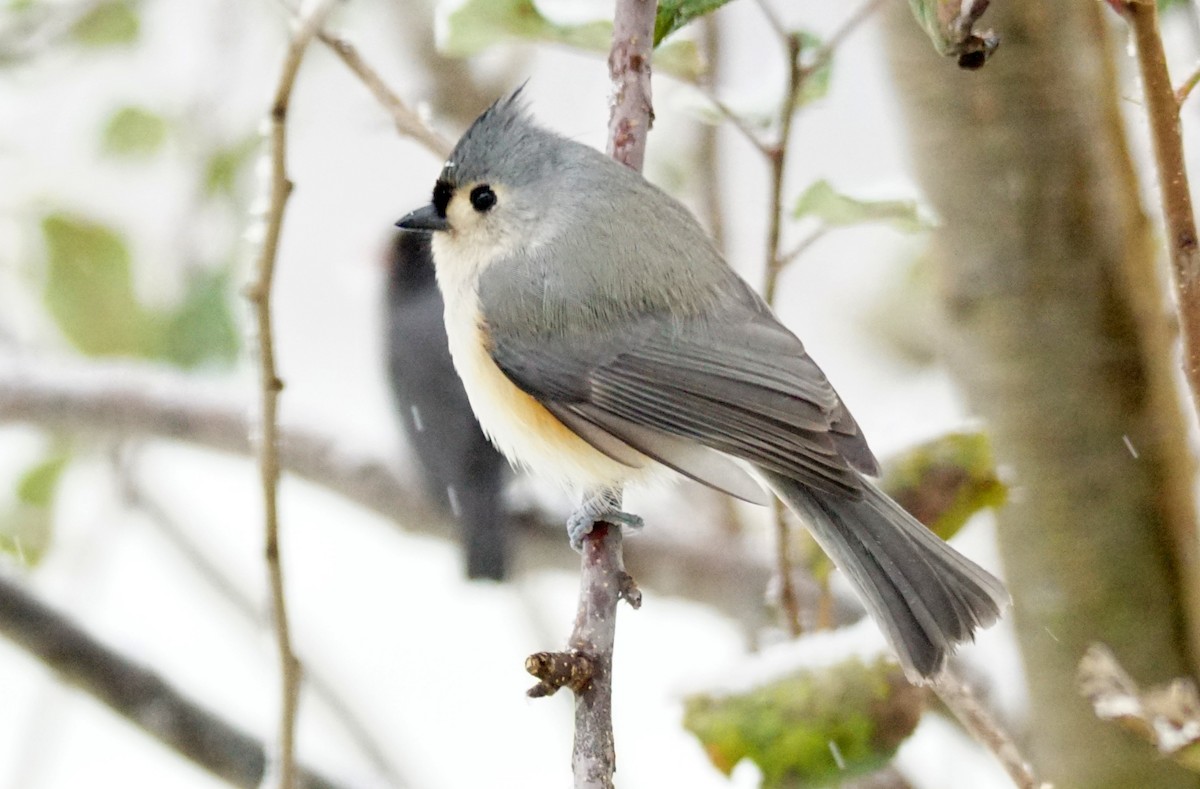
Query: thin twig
(823, 54)
(709, 152)
(957, 696)
(136, 693)
(728, 114)
(773, 19)
(777, 159)
(259, 294)
(1185, 90)
(802, 247)
(776, 156)
(408, 123)
(788, 600)
(1162, 110)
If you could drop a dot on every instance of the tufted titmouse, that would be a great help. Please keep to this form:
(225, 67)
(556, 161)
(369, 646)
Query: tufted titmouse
(602, 339)
(462, 471)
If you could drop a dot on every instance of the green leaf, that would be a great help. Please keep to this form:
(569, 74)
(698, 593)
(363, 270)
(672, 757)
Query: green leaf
(816, 84)
(134, 132)
(787, 726)
(89, 292)
(110, 23)
(945, 481)
(202, 329)
(37, 485)
(674, 14)
(89, 287)
(1164, 5)
(478, 24)
(225, 166)
(27, 526)
(833, 209)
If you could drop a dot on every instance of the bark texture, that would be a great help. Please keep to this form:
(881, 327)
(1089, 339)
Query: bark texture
(1056, 332)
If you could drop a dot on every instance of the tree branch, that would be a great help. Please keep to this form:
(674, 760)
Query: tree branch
(407, 122)
(136, 693)
(214, 576)
(587, 667)
(259, 294)
(136, 400)
(629, 68)
(1162, 111)
(957, 696)
(777, 260)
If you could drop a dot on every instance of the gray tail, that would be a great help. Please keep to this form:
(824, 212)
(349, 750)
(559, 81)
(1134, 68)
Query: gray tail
(925, 596)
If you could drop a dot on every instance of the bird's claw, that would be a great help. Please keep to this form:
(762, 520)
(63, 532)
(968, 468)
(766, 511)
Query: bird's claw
(598, 509)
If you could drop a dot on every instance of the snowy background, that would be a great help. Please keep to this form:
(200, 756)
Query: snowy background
(431, 664)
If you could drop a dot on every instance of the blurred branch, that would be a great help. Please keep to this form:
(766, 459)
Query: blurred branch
(776, 155)
(136, 693)
(959, 698)
(259, 294)
(208, 570)
(137, 400)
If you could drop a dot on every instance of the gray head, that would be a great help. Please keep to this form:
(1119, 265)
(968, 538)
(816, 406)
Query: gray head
(504, 175)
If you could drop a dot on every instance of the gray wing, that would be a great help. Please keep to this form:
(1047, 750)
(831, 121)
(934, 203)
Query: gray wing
(678, 389)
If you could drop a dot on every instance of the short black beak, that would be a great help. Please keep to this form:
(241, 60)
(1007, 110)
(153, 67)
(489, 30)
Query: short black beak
(425, 218)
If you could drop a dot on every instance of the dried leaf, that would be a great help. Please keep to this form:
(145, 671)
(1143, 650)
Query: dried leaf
(950, 24)
(1167, 716)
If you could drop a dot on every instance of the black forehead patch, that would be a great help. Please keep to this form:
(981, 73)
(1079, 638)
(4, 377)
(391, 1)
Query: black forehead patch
(442, 192)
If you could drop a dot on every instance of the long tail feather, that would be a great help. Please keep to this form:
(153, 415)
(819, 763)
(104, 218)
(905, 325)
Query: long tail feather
(925, 596)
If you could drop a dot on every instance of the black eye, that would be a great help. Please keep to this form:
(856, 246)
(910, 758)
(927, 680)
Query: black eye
(442, 192)
(483, 198)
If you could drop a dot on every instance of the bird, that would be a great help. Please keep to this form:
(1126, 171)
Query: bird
(603, 341)
(463, 472)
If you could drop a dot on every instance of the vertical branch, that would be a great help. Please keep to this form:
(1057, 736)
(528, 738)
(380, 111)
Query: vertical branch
(1162, 111)
(777, 159)
(587, 668)
(259, 294)
(777, 260)
(709, 150)
(629, 69)
(603, 581)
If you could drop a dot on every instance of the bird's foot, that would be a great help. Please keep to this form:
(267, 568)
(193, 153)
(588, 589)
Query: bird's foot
(603, 507)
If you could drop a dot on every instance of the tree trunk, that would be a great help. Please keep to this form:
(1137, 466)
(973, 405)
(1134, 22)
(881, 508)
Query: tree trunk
(1056, 332)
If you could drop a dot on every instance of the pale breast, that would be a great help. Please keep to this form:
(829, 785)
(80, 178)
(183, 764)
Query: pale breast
(519, 426)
